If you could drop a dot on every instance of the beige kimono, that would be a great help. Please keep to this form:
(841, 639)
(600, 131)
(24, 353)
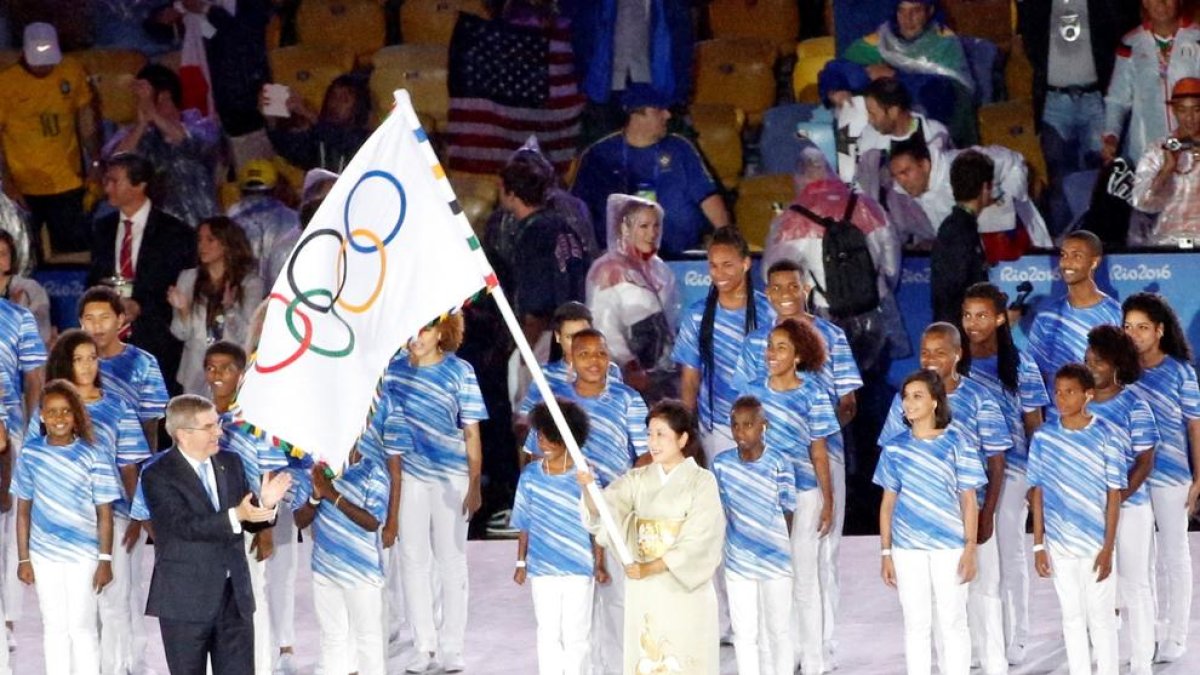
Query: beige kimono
(670, 618)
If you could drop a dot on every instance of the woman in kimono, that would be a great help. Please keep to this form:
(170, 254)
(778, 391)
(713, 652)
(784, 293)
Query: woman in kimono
(631, 293)
(674, 526)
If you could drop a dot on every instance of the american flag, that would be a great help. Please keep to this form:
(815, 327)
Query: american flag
(508, 82)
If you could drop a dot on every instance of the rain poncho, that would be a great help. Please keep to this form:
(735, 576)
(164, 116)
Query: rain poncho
(271, 228)
(632, 295)
(13, 220)
(1177, 203)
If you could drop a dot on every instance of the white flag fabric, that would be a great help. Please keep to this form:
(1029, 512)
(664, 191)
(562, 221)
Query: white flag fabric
(388, 252)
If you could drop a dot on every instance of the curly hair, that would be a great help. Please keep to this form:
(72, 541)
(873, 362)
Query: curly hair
(1113, 346)
(937, 390)
(451, 331)
(60, 365)
(79, 412)
(239, 264)
(809, 346)
(681, 420)
(542, 421)
(1077, 372)
(1173, 342)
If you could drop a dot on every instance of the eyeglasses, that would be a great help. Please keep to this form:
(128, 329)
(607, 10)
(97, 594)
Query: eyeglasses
(207, 428)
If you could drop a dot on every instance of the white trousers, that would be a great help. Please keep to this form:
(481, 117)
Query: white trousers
(70, 619)
(281, 580)
(808, 609)
(264, 658)
(117, 617)
(433, 529)
(4, 667)
(986, 611)
(562, 606)
(351, 624)
(10, 585)
(1135, 585)
(1011, 542)
(1175, 559)
(760, 612)
(141, 562)
(714, 442)
(926, 579)
(1088, 614)
(393, 593)
(830, 551)
(608, 619)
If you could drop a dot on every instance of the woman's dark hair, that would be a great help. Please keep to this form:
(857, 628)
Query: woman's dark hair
(541, 421)
(1113, 346)
(1008, 359)
(239, 264)
(356, 85)
(681, 420)
(60, 365)
(1173, 341)
(809, 346)
(14, 256)
(83, 421)
(1077, 372)
(731, 237)
(937, 389)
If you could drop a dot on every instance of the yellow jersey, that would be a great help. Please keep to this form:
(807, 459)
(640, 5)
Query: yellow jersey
(38, 127)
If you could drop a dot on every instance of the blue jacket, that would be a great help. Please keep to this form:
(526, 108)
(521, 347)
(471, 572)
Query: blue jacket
(671, 44)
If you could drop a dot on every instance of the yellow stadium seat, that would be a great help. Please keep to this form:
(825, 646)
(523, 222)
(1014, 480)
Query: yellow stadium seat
(171, 60)
(354, 24)
(774, 20)
(760, 198)
(308, 70)
(422, 70)
(720, 139)
(1018, 72)
(1010, 124)
(477, 195)
(431, 22)
(9, 57)
(988, 19)
(811, 57)
(738, 72)
(111, 73)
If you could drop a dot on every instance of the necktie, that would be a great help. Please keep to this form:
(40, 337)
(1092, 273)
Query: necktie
(209, 483)
(125, 261)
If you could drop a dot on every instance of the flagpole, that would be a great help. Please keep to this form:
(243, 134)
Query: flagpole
(615, 535)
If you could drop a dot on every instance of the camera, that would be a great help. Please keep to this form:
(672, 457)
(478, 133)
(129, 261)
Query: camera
(1177, 144)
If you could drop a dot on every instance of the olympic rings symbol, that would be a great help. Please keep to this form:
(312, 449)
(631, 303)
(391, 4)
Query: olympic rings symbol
(329, 301)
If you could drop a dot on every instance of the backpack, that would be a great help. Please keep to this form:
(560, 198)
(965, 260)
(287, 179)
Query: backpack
(850, 278)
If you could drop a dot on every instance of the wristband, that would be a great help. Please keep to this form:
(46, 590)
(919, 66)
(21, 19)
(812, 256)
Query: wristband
(104, 557)
(337, 502)
(520, 564)
(22, 562)
(887, 553)
(312, 501)
(1038, 548)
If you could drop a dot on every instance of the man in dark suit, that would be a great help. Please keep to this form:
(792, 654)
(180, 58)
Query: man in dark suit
(145, 249)
(200, 505)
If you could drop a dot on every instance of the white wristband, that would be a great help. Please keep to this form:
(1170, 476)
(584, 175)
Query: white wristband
(520, 564)
(1038, 548)
(887, 553)
(314, 502)
(104, 557)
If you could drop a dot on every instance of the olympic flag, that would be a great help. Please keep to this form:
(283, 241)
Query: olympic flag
(388, 251)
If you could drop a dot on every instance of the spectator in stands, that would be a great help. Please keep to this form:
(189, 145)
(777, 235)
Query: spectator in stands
(626, 44)
(553, 264)
(917, 48)
(500, 234)
(1010, 226)
(181, 144)
(21, 289)
(1167, 183)
(327, 139)
(15, 222)
(46, 133)
(1150, 59)
(957, 260)
(633, 298)
(141, 251)
(270, 226)
(122, 25)
(644, 160)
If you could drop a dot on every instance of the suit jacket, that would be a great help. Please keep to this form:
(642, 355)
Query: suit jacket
(195, 546)
(168, 248)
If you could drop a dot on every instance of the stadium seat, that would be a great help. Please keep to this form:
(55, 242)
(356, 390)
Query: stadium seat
(1010, 124)
(774, 20)
(991, 20)
(738, 72)
(1018, 73)
(111, 72)
(983, 57)
(308, 70)
(477, 195)
(354, 24)
(431, 22)
(811, 57)
(720, 139)
(422, 70)
(171, 60)
(760, 198)
(9, 57)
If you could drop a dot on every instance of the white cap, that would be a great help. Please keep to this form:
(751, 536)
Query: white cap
(41, 45)
(313, 179)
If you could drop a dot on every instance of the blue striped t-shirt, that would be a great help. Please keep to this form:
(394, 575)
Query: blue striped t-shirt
(1131, 415)
(1170, 389)
(796, 418)
(345, 554)
(1059, 332)
(1030, 395)
(547, 508)
(755, 496)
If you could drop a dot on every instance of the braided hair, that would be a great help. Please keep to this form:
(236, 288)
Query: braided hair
(731, 237)
(1008, 359)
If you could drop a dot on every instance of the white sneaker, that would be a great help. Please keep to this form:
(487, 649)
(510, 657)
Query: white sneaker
(284, 664)
(12, 639)
(453, 663)
(421, 663)
(1016, 654)
(1170, 651)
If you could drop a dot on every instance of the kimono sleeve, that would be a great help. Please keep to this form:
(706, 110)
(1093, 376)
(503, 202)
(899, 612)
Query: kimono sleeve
(697, 551)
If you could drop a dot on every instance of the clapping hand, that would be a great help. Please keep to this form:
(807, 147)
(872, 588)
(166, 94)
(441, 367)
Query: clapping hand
(274, 488)
(247, 512)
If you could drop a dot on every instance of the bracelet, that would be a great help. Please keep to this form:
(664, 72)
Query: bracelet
(887, 553)
(520, 564)
(337, 502)
(22, 562)
(1038, 548)
(104, 557)
(312, 501)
